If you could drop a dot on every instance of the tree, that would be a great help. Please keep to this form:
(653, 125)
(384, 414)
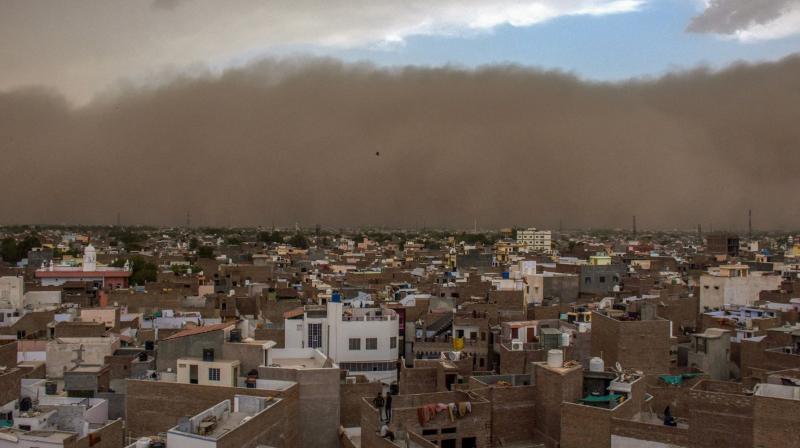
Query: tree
(205, 252)
(270, 237)
(13, 251)
(299, 241)
(8, 250)
(142, 271)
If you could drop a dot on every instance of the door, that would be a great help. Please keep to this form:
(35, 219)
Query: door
(193, 373)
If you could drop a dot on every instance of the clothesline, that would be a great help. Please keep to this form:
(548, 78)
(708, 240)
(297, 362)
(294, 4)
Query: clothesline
(427, 412)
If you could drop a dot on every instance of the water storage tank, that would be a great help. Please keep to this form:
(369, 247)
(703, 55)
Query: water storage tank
(555, 358)
(597, 365)
(144, 442)
(50, 388)
(236, 335)
(565, 339)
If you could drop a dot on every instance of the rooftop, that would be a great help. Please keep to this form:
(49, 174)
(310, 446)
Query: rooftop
(199, 330)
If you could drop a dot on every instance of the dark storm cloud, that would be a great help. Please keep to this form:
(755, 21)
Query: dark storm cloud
(730, 16)
(296, 141)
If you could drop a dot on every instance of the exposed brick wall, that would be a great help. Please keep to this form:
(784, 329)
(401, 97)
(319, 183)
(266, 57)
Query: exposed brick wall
(513, 413)
(272, 334)
(776, 422)
(350, 405)
(552, 389)
(404, 416)
(10, 384)
(518, 362)
(109, 436)
(418, 380)
(670, 435)
(719, 416)
(8, 354)
(80, 330)
(267, 428)
(153, 407)
(641, 345)
(584, 426)
(34, 325)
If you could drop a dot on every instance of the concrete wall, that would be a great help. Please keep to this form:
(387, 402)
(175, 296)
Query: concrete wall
(716, 291)
(61, 353)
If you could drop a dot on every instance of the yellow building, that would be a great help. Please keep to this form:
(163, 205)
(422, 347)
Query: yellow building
(600, 259)
(208, 373)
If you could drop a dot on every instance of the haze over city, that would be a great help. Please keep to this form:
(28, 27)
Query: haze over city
(400, 224)
(132, 104)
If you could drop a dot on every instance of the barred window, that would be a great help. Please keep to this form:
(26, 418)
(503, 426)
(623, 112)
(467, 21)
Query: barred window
(372, 343)
(393, 342)
(355, 344)
(213, 374)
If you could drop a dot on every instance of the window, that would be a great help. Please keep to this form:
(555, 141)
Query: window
(314, 335)
(700, 345)
(355, 344)
(602, 279)
(372, 343)
(393, 342)
(448, 443)
(213, 374)
(430, 432)
(587, 280)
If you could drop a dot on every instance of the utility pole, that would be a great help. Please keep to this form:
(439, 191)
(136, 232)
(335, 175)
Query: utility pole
(634, 226)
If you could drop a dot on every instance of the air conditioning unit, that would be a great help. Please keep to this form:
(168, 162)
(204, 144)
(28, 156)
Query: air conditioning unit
(350, 380)
(516, 346)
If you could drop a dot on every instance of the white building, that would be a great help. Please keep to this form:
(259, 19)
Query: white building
(219, 424)
(734, 285)
(535, 240)
(362, 341)
(11, 292)
(89, 271)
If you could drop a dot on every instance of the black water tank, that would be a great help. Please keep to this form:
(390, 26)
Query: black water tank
(143, 357)
(25, 404)
(149, 345)
(236, 335)
(208, 354)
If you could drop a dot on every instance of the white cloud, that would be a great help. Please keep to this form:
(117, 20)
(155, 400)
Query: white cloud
(83, 45)
(786, 25)
(748, 20)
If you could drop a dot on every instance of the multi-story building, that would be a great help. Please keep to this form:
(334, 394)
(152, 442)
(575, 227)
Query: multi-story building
(734, 285)
(535, 240)
(360, 340)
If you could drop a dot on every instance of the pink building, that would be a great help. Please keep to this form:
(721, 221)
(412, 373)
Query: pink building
(101, 276)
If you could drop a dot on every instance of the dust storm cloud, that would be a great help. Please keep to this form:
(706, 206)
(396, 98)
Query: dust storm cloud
(295, 140)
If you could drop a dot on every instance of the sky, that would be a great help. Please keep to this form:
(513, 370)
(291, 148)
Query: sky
(86, 47)
(385, 113)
